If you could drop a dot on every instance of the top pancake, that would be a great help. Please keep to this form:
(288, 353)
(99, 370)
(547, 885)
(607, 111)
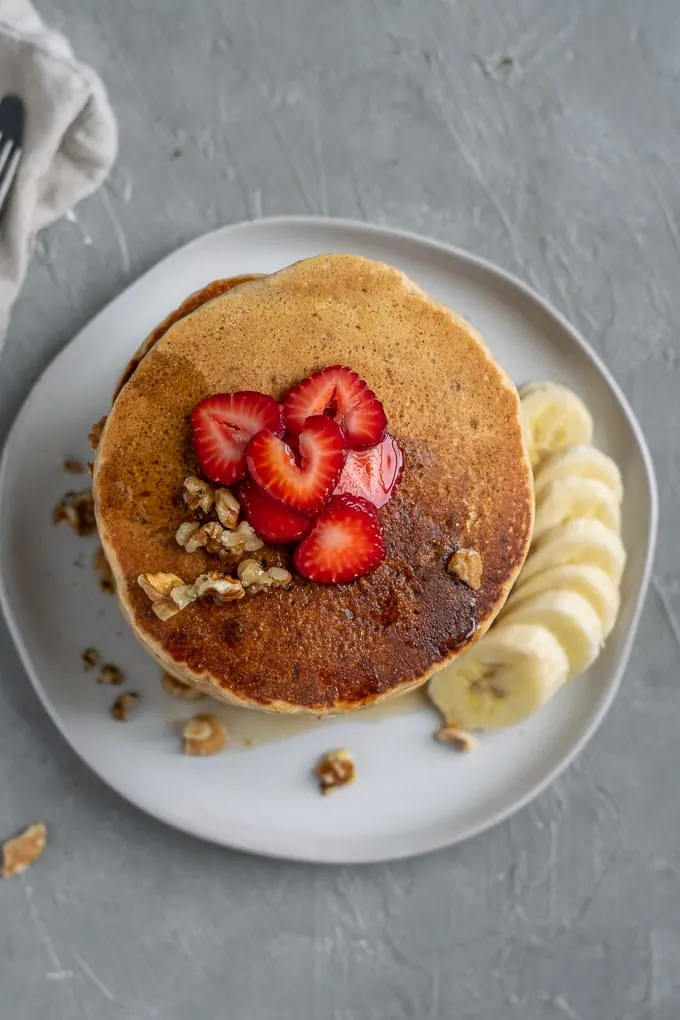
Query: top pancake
(467, 483)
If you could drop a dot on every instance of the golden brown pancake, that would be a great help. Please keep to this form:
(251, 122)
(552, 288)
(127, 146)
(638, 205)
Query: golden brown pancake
(466, 484)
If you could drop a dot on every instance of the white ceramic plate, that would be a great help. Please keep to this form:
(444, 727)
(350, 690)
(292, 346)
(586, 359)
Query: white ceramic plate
(412, 794)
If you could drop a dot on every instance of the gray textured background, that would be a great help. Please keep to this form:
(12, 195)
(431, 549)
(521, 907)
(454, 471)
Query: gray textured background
(544, 135)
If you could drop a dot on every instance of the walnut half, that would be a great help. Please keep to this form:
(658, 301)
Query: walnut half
(335, 769)
(467, 565)
(203, 735)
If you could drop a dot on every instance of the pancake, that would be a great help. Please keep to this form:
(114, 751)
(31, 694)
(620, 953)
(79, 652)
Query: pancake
(466, 484)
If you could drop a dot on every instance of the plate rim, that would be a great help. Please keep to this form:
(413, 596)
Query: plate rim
(387, 233)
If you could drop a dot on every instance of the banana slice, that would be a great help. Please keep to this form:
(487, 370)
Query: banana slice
(570, 498)
(508, 675)
(583, 540)
(579, 462)
(570, 618)
(554, 417)
(584, 579)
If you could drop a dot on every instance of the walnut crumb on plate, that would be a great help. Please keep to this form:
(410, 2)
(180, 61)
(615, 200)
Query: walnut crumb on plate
(76, 509)
(119, 709)
(461, 740)
(91, 658)
(72, 466)
(110, 674)
(204, 735)
(19, 853)
(335, 769)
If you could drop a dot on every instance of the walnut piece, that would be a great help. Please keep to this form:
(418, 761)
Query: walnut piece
(198, 495)
(72, 466)
(460, 739)
(161, 589)
(242, 540)
(123, 702)
(76, 509)
(178, 689)
(103, 569)
(204, 735)
(254, 578)
(227, 508)
(110, 674)
(90, 658)
(96, 432)
(19, 853)
(222, 587)
(335, 769)
(467, 565)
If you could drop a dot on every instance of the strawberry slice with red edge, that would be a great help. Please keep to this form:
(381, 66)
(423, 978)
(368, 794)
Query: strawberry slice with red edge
(222, 427)
(274, 522)
(373, 473)
(341, 394)
(304, 480)
(345, 542)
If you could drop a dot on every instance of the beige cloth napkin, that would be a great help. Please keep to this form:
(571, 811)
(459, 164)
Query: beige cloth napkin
(70, 137)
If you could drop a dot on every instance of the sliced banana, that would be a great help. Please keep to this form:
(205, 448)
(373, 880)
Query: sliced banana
(578, 462)
(507, 676)
(554, 417)
(569, 617)
(580, 541)
(570, 498)
(586, 580)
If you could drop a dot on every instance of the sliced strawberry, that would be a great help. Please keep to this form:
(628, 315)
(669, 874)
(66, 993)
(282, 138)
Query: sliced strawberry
(345, 542)
(304, 481)
(373, 473)
(273, 521)
(224, 424)
(339, 393)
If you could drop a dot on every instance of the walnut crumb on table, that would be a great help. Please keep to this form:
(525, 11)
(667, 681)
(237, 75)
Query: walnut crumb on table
(335, 769)
(19, 853)
(204, 735)
(119, 709)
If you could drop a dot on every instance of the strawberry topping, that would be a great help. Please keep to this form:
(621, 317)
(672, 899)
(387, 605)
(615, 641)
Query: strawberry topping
(341, 394)
(373, 473)
(345, 542)
(224, 424)
(273, 521)
(302, 481)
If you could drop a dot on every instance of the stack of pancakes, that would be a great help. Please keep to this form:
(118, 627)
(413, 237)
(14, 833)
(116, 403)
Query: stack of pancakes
(466, 484)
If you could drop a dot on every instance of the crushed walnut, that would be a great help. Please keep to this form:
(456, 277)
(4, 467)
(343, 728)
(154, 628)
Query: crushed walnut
(169, 594)
(453, 735)
(222, 587)
(119, 709)
(90, 658)
(96, 432)
(76, 509)
(467, 565)
(178, 689)
(254, 578)
(72, 466)
(19, 853)
(204, 735)
(103, 569)
(242, 540)
(198, 495)
(110, 674)
(160, 587)
(227, 508)
(335, 769)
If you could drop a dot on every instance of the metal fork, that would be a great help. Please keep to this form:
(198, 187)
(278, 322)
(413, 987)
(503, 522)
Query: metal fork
(11, 136)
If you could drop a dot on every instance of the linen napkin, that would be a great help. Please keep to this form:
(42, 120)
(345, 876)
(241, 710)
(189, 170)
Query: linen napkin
(69, 142)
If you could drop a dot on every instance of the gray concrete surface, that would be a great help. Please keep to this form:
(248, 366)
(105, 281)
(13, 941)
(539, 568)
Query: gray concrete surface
(545, 136)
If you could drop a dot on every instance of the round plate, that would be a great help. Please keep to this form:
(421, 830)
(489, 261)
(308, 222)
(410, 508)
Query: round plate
(412, 794)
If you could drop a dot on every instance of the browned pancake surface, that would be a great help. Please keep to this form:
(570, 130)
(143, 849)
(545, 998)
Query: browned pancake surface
(466, 484)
